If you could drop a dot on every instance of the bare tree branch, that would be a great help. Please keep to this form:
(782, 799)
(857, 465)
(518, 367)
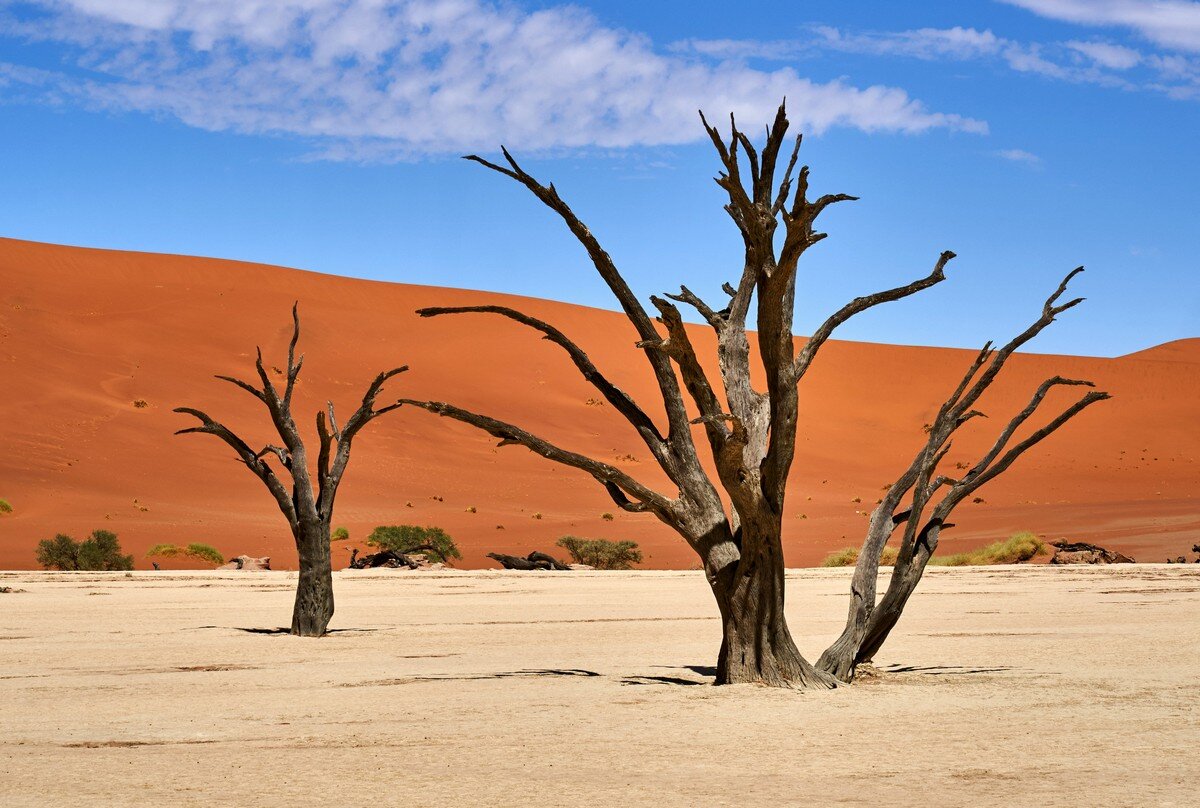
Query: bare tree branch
(686, 295)
(510, 434)
(679, 434)
(614, 395)
(859, 304)
(251, 459)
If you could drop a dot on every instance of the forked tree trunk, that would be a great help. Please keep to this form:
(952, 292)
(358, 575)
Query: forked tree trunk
(905, 578)
(756, 645)
(314, 590)
(869, 628)
(841, 657)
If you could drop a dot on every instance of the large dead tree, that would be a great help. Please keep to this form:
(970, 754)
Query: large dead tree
(308, 509)
(751, 434)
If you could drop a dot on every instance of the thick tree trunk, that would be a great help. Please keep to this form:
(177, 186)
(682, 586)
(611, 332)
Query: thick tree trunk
(756, 646)
(314, 591)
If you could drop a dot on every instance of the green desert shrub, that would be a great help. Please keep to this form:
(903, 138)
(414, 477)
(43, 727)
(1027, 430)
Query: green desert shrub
(100, 551)
(339, 534)
(1018, 548)
(603, 554)
(200, 552)
(406, 538)
(5, 507)
(848, 557)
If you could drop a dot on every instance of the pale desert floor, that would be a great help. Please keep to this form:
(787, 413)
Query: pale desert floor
(1032, 686)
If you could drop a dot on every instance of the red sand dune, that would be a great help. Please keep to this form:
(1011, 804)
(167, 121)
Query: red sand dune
(85, 333)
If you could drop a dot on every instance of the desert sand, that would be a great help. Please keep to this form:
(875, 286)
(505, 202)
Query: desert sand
(1004, 686)
(97, 347)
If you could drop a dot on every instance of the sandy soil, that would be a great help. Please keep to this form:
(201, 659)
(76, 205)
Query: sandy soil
(84, 334)
(1027, 686)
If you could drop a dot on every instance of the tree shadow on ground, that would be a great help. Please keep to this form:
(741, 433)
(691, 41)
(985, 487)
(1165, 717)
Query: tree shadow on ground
(943, 670)
(706, 671)
(526, 673)
(283, 630)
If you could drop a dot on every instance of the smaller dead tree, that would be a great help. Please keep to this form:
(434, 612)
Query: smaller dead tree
(923, 516)
(307, 508)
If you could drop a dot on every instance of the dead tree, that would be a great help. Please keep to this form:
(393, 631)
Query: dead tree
(921, 501)
(308, 510)
(751, 434)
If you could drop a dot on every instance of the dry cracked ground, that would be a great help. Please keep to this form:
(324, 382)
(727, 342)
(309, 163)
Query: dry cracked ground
(1005, 686)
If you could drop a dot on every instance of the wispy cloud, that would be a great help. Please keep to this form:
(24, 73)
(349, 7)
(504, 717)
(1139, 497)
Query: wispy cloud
(1104, 54)
(1173, 24)
(390, 79)
(1019, 156)
(1085, 62)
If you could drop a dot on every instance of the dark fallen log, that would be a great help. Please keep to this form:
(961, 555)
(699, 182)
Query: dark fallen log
(538, 556)
(534, 561)
(411, 559)
(1067, 552)
(384, 558)
(513, 562)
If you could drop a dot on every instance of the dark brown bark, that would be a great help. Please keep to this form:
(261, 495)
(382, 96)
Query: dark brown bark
(308, 510)
(314, 589)
(756, 645)
(751, 434)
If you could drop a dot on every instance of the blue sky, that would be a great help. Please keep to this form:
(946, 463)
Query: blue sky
(1029, 136)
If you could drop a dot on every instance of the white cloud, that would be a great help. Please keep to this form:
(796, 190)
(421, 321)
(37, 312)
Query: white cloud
(399, 78)
(1114, 57)
(1168, 23)
(1019, 156)
(775, 50)
(921, 43)
(1088, 62)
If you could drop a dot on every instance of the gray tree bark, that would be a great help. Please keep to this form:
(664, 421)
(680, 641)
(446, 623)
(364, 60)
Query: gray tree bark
(307, 508)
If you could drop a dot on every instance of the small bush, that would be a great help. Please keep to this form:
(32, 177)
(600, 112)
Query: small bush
(339, 534)
(99, 552)
(406, 538)
(848, 557)
(5, 507)
(603, 554)
(201, 552)
(205, 552)
(1017, 549)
